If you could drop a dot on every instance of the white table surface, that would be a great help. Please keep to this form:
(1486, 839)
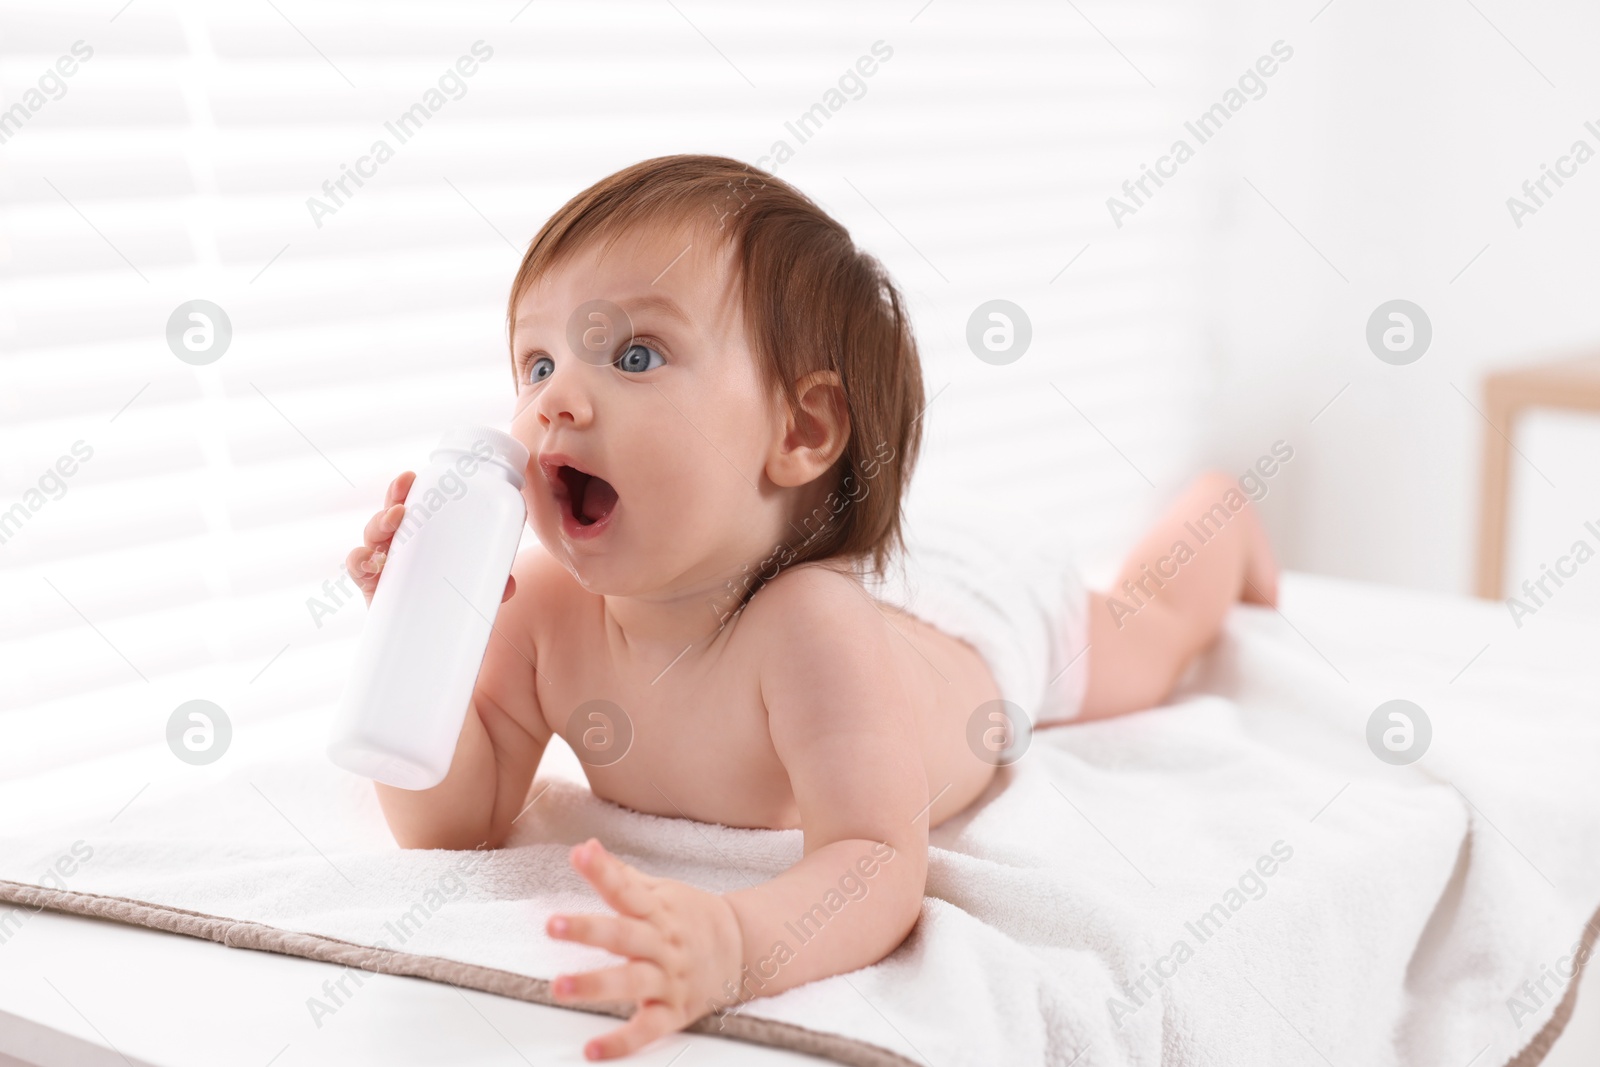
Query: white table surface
(82, 992)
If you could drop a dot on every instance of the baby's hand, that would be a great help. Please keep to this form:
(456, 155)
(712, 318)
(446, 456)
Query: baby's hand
(365, 564)
(682, 945)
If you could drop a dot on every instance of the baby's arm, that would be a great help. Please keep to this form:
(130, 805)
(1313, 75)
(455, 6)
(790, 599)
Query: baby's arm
(848, 740)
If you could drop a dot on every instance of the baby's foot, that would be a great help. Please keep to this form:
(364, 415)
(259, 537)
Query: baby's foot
(1261, 566)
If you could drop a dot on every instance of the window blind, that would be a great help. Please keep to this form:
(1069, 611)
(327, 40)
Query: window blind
(183, 159)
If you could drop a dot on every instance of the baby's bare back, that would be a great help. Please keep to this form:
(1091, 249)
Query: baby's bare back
(684, 731)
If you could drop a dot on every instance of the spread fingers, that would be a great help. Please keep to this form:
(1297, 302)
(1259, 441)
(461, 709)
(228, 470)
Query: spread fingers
(633, 938)
(619, 885)
(635, 980)
(644, 1026)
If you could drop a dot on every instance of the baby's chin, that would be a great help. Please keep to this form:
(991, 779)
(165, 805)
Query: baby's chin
(619, 572)
(610, 571)
(602, 578)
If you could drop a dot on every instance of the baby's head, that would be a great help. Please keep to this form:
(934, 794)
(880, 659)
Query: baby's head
(713, 381)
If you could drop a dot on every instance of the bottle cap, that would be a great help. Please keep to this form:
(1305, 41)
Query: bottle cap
(503, 449)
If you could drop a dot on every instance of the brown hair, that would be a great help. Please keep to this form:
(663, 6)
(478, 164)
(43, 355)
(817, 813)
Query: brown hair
(812, 301)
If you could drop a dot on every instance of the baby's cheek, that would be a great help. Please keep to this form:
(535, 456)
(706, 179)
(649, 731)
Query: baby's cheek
(670, 497)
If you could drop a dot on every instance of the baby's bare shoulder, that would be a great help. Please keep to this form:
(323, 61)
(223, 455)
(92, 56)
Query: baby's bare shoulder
(807, 594)
(815, 628)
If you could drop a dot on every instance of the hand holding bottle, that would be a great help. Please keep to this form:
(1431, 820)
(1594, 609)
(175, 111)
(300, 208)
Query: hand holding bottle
(365, 563)
(445, 542)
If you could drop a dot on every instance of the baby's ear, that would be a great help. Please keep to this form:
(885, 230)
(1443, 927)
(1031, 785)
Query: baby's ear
(813, 435)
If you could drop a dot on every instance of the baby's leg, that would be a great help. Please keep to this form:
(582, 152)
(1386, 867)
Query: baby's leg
(1168, 602)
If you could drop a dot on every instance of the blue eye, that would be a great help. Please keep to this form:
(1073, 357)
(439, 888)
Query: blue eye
(541, 369)
(639, 358)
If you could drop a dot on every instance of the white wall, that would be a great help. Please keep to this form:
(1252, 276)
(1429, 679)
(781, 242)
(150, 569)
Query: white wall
(1391, 141)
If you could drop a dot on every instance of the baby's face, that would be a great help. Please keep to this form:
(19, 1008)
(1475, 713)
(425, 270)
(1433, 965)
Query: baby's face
(648, 437)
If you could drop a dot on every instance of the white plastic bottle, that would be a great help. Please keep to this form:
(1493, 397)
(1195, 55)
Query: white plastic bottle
(432, 613)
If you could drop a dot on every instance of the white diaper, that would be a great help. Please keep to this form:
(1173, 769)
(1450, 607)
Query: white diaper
(1020, 602)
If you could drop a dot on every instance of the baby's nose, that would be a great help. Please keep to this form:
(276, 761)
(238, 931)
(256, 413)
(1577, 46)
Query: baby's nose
(565, 401)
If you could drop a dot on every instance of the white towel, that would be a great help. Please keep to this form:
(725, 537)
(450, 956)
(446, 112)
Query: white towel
(1329, 906)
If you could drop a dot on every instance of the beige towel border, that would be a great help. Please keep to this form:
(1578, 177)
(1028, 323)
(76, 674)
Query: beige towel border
(236, 934)
(1537, 1049)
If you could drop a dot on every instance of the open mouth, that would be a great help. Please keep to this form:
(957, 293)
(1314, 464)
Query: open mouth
(589, 499)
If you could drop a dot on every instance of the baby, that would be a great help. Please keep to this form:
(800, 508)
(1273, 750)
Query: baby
(721, 398)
